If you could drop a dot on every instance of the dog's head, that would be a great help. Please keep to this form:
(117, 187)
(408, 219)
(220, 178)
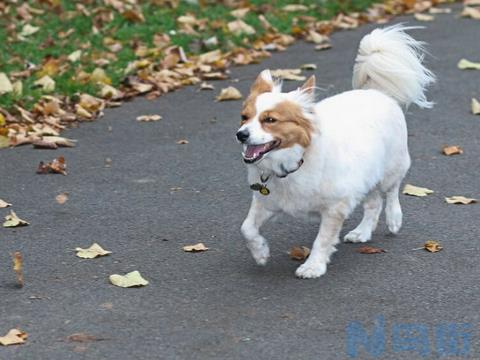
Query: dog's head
(272, 120)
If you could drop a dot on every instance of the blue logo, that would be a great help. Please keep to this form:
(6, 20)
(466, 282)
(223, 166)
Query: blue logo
(445, 339)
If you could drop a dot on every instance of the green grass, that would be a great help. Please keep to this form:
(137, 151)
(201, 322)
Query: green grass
(46, 42)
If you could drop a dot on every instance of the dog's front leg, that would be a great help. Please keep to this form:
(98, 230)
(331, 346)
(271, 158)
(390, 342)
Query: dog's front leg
(323, 247)
(256, 243)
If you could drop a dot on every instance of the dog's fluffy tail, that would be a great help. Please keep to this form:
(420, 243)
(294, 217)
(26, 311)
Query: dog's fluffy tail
(390, 60)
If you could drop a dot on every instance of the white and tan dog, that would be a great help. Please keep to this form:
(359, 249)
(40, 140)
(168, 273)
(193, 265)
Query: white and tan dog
(323, 159)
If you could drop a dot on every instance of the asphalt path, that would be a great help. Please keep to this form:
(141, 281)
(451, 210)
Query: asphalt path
(218, 304)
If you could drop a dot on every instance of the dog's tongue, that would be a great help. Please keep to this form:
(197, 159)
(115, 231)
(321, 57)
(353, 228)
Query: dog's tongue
(254, 151)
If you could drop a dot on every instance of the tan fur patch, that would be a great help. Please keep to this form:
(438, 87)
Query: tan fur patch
(290, 126)
(260, 86)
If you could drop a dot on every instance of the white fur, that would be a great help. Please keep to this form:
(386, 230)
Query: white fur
(358, 152)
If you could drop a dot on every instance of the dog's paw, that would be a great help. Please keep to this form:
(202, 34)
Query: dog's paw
(261, 254)
(395, 223)
(357, 236)
(311, 271)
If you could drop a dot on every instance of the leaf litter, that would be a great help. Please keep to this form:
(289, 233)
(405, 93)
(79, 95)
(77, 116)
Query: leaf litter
(95, 250)
(416, 190)
(12, 220)
(132, 279)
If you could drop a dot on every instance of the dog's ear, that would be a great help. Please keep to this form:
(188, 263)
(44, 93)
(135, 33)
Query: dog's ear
(264, 83)
(309, 86)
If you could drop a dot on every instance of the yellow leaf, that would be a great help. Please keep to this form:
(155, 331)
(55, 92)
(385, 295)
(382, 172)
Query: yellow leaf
(109, 92)
(5, 84)
(13, 337)
(99, 76)
(288, 74)
(132, 279)
(13, 220)
(452, 150)
(460, 200)
(75, 56)
(46, 83)
(4, 142)
(2, 120)
(18, 88)
(229, 93)
(299, 253)
(91, 252)
(432, 246)
(424, 17)
(195, 248)
(465, 64)
(4, 204)
(471, 12)
(475, 107)
(416, 191)
(147, 118)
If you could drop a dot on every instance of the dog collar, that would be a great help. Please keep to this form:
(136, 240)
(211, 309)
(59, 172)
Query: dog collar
(261, 186)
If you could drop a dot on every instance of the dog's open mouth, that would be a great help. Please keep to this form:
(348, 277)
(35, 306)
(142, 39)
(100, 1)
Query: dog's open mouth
(252, 153)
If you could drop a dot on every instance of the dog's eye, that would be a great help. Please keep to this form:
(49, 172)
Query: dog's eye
(269, 120)
(244, 118)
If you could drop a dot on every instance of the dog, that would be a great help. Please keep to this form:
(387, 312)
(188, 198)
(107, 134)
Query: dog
(322, 159)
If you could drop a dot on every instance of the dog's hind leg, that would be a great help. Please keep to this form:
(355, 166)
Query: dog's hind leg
(393, 210)
(372, 207)
(256, 243)
(324, 245)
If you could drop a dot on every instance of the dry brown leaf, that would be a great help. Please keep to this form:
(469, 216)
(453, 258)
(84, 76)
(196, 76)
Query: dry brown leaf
(465, 64)
(18, 267)
(132, 279)
(370, 250)
(4, 204)
(83, 337)
(13, 337)
(475, 107)
(92, 252)
(195, 248)
(133, 15)
(61, 198)
(53, 142)
(12, 220)
(452, 150)
(288, 74)
(460, 200)
(56, 166)
(432, 246)
(148, 118)
(229, 93)
(416, 191)
(423, 17)
(299, 253)
(182, 142)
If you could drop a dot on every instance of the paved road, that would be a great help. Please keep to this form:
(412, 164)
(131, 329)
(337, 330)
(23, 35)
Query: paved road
(218, 304)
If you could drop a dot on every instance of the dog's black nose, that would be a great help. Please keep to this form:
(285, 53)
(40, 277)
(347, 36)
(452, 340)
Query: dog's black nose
(243, 135)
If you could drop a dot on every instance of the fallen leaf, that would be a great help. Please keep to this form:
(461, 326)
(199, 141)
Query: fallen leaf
(439, 10)
(132, 279)
(299, 253)
(53, 142)
(83, 337)
(182, 142)
(240, 13)
(465, 64)
(239, 27)
(46, 83)
(13, 337)
(12, 220)
(75, 56)
(288, 74)
(308, 67)
(475, 107)
(229, 93)
(28, 30)
(5, 84)
(61, 198)
(432, 246)
(195, 248)
(323, 47)
(452, 150)
(423, 17)
(206, 86)
(471, 12)
(295, 8)
(17, 267)
(370, 250)
(92, 252)
(460, 200)
(56, 166)
(416, 191)
(99, 76)
(4, 204)
(147, 118)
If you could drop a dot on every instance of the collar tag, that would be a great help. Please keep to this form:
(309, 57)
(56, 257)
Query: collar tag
(261, 188)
